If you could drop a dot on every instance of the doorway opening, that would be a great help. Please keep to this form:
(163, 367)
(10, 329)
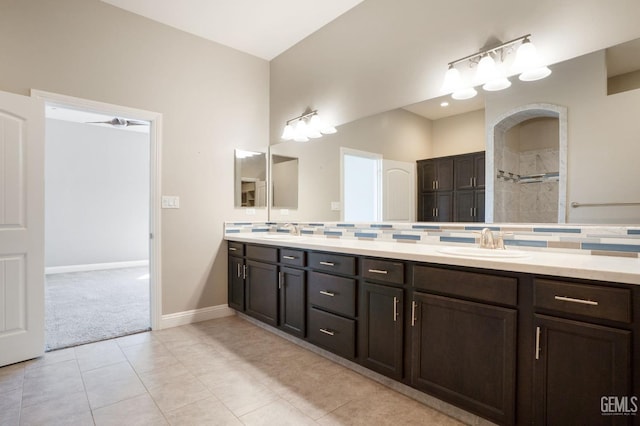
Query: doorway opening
(361, 187)
(101, 250)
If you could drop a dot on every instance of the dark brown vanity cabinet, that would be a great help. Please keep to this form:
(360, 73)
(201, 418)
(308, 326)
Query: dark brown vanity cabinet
(332, 302)
(578, 362)
(381, 320)
(236, 273)
(469, 206)
(463, 343)
(435, 206)
(436, 174)
(292, 286)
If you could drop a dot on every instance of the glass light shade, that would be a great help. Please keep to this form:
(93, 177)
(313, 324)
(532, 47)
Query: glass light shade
(500, 81)
(300, 132)
(526, 57)
(288, 132)
(535, 74)
(452, 80)
(466, 93)
(328, 130)
(486, 70)
(313, 128)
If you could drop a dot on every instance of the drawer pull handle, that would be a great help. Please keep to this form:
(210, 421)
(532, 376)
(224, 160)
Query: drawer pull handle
(289, 257)
(232, 249)
(378, 271)
(325, 331)
(395, 309)
(327, 263)
(413, 312)
(327, 293)
(572, 300)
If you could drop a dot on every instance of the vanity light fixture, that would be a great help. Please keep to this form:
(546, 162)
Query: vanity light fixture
(491, 70)
(307, 126)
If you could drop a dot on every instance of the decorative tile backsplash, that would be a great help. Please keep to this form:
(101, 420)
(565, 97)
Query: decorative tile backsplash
(576, 239)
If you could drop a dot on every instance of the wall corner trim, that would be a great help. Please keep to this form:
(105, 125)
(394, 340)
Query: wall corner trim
(189, 317)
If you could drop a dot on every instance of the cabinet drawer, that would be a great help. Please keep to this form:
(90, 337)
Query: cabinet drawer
(337, 263)
(383, 270)
(292, 257)
(332, 332)
(268, 254)
(591, 300)
(236, 249)
(336, 294)
(484, 287)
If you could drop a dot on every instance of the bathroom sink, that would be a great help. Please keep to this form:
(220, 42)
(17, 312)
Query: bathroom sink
(483, 252)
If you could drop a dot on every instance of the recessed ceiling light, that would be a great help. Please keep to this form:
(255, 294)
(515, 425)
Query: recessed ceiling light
(444, 104)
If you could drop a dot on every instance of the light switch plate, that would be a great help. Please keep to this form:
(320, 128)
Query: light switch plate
(170, 202)
(335, 206)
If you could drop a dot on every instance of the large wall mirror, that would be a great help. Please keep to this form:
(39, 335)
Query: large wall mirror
(579, 127)
(250, 183)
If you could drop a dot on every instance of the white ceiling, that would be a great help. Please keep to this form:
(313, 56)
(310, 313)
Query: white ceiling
(259, 27)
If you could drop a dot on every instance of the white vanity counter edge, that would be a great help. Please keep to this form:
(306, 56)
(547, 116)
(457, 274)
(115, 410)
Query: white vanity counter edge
(591, 267)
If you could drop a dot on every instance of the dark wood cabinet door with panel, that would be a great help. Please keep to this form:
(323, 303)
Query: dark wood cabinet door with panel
(262, 291)
(381, 328)
(576, 365)
(292, 300)
(236, 283)
(465, 353)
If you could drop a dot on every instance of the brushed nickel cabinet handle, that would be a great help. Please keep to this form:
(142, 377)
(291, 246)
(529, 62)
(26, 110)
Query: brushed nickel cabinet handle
(436, 212)
(289, 257)
(325, 331)
(327, 293)
(433, 184)
(232, 249)
(537, 342)
(245, 274)
(433, 212)
(395, 309)
(471, 212)
(572, 300)
(413, 312)
(239, 272)
(327, 263)
(471, 181)
(280, 279)
(437, 184)
(378, 271)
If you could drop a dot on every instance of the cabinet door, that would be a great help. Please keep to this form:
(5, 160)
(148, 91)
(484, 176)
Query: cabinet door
(427, 175)
(444, 179)
(444, 207)
(262, 291)
(427, 207)
(464, 168)
(576, 365)
(292, 301)
(381, 329)
(464, 353)
(236, 283)
(479, 170)
(465, 206)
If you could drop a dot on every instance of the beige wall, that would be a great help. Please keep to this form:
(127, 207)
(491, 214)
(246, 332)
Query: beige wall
(459, 134)
(383, 55)
(213, 99)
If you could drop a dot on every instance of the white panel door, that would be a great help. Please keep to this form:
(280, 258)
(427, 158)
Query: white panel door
(21, 228)
(399, 191)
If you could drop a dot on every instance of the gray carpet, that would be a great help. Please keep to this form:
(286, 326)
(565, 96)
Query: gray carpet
(84, 307)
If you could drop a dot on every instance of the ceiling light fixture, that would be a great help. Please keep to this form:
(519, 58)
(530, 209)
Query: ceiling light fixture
(491, 70)
(306, 126)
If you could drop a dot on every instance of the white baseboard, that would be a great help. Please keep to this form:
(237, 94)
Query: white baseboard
(196, 315)
(94, 267)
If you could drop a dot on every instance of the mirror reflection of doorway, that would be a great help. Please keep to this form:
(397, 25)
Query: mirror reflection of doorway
(361, 186)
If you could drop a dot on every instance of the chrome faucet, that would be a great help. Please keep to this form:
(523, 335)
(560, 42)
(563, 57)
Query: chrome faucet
(295, 229)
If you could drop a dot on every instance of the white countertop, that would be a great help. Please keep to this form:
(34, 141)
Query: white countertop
(592, 267)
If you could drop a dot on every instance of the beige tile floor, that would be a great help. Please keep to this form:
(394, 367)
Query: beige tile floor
(220, 372)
